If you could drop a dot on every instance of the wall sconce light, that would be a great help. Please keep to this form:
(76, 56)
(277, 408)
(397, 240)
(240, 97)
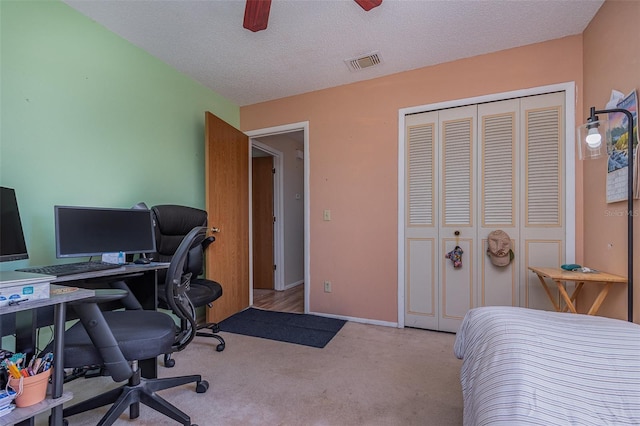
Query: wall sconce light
(592, 146)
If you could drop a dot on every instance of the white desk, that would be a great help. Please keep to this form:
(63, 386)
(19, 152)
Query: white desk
(59, 297)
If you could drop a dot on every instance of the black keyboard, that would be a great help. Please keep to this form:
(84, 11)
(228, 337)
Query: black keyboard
(70, 268)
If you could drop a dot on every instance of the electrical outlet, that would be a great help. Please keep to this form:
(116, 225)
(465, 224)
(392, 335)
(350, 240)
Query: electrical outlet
(327, 286)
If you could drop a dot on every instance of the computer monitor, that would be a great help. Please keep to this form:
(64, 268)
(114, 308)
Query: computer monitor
(93, 231)
(12, 245)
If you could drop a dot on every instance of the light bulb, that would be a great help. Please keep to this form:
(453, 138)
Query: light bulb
(593, 139)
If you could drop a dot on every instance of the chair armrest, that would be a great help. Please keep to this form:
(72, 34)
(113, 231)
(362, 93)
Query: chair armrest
(129, 301)
(100, 334)
(102, 295)
(207, 242)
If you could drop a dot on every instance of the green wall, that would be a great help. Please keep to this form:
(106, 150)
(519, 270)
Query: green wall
(88, 119)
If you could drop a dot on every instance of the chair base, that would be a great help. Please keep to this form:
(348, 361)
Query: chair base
(139, 390)
(214, 329)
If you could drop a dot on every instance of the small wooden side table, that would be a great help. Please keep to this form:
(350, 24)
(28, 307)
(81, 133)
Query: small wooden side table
(560, 276)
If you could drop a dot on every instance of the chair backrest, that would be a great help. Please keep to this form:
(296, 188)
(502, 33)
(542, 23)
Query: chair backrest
(176, 285)
(172, 223)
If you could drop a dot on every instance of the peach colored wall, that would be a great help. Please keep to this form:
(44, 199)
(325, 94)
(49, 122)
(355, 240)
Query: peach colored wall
(353, 152)
(611, 61)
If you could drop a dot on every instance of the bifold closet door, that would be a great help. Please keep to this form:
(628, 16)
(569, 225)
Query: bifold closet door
(521, 193)
(440, 196)
(499, 160)
(469, 171)
(543, 223)
(457, 216)
(422, 181)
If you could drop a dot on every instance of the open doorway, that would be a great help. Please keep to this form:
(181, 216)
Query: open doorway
(278, 225)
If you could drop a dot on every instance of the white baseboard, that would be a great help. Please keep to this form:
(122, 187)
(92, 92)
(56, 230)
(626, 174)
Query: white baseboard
(356, 319)
(291, 285)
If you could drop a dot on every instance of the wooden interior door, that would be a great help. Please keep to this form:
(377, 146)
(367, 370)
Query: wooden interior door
(227, 204)
(262, 213)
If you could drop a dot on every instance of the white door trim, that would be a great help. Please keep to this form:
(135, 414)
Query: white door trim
(278, 209)
(287, 128)
(570, 106)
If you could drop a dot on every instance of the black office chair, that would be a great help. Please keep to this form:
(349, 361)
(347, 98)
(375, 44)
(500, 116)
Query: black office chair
(171, 223)
(117, 340)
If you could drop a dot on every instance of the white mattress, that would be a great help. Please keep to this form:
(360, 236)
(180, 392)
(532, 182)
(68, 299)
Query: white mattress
(524, 366)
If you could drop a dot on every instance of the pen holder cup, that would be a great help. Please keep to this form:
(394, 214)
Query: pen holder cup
(34, 388)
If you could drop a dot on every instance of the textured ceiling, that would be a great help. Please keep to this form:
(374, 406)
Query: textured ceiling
(306, 42)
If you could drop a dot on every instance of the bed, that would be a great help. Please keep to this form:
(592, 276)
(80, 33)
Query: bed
(525, 366)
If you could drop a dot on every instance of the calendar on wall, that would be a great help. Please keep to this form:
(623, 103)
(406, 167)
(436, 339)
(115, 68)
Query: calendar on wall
(617, 147)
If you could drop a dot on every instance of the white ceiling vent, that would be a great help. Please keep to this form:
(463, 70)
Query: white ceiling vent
(362, 62)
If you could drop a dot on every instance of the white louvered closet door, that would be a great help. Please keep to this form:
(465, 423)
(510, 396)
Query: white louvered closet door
(469, 171)
(422, 293)
(542, 231)
(458, 139)
(498, 195)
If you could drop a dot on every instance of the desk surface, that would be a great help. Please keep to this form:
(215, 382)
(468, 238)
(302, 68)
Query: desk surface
(129, 268)
(559, 274)
(58, 294)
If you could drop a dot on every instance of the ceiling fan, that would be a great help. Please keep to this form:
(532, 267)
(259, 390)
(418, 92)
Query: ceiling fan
(256, 12)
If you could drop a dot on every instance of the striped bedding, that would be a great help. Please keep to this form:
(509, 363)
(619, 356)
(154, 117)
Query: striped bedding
(528, 367)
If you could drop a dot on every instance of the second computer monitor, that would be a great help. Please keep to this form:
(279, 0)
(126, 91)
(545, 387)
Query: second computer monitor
(92, 231)
(12, 244)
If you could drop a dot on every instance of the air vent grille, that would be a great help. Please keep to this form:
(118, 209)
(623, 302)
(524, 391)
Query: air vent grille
(362, 62)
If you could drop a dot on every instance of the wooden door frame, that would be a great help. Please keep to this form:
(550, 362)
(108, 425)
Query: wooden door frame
(270, 131)
(569, 89)
(278, 208)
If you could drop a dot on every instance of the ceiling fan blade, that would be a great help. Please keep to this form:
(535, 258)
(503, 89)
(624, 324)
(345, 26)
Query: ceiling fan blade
(256, 14)
(368, 4)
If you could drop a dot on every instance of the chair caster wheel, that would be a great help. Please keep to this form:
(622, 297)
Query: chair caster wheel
(220, 347)
(202, 386)
(168, 362)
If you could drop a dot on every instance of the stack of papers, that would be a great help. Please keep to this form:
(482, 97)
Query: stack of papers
(6, 397)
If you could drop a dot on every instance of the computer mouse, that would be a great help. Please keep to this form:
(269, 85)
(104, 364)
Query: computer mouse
(142, 261)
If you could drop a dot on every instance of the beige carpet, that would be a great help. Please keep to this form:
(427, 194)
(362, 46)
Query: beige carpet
(367, 375)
